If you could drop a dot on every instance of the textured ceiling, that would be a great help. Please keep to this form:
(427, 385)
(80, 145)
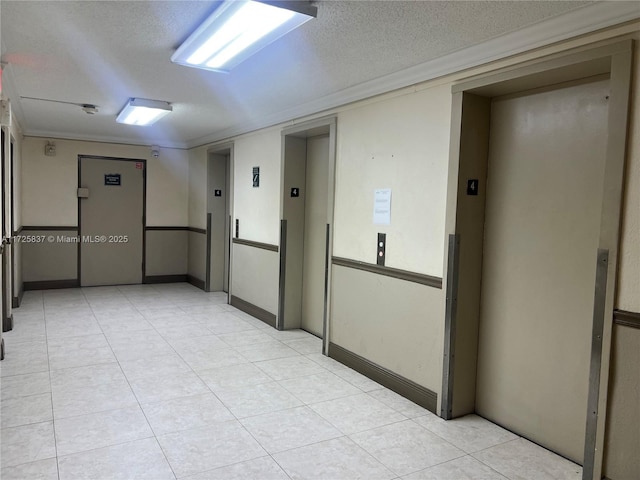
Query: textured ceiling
(103, 52)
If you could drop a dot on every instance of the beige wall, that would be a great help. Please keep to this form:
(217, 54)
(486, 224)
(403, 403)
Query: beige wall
(49, 183)
(198, 187)
(629, 261)
(258, 209)
(255, 276)
(623, 419)
(391, 322)
(403, 144)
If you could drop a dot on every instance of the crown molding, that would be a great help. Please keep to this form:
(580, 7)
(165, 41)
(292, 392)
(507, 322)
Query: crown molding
(571, 24)
(52, 135)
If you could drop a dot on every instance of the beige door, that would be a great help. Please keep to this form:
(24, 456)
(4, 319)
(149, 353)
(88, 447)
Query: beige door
(315, 225)
(544, 193)
(111, 221)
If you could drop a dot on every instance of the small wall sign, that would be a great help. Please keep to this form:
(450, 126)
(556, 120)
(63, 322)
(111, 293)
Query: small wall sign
(295, 192)
(112, 179)
(139, 165)
(217, 193)
(256, 177)
(472, 186)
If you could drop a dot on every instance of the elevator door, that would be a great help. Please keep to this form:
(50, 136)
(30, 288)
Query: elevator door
(315, 224)
(218, 206)
(111, 221)
(544, 194)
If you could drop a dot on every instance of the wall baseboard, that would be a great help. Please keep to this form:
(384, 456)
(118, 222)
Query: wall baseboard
(7, 323)
(165, 278)
(2, 349)
(402, 386)
(196, 282)
(255, 311)
(17, 301)
(51, 284)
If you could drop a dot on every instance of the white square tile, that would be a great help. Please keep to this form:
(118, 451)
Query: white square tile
(140, 459)
(238, 375)
(289, 367)
(306, 346)
(266, 351)
(398, 403)
(186, 413)
(252, 400)
(405, 447)
(79, 351)
(25, 330)
(263, 468)
(339, 458)
(88, 376)
(73, 327)
(327, 362)
(319, 388)
(203, 343)
(135, 345)
(155, 313)
(27, 443)
(289, 335)
(97, 398)
(470, 433)
(30, 357)
(357, 413)
(23, 385)
(41, 470)
(363, 383)
(202, 308)
(160, 388)
(198, 450)
(187, 330)
(168, 364)
(97, 430)
(289, 429)
(225, 322)
(523, 459)
(205, 360)
(463, 468)
(24, 410)
(128, 323)
(245, 338)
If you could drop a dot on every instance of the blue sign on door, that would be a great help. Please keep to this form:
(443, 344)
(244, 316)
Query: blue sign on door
(112, 179)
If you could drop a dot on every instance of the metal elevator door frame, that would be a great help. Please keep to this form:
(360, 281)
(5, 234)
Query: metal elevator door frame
(292, 235)
(468, 151)
(219, 243)
(7, 319)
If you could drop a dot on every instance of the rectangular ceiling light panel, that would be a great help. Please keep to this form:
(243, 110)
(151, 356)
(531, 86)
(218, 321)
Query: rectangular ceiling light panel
(140, 111)
(237, 29)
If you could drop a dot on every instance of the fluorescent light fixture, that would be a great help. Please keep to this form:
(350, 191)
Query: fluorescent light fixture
(239, 28)
(140, 111)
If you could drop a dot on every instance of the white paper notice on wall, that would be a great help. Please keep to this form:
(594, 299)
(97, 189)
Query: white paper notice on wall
(382, 207)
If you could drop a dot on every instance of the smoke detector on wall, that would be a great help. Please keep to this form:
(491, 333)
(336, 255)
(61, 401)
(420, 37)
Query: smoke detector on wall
(155, 151)
(50, 149)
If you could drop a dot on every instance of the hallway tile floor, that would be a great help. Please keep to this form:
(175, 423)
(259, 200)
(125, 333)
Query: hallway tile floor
(166, 381)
